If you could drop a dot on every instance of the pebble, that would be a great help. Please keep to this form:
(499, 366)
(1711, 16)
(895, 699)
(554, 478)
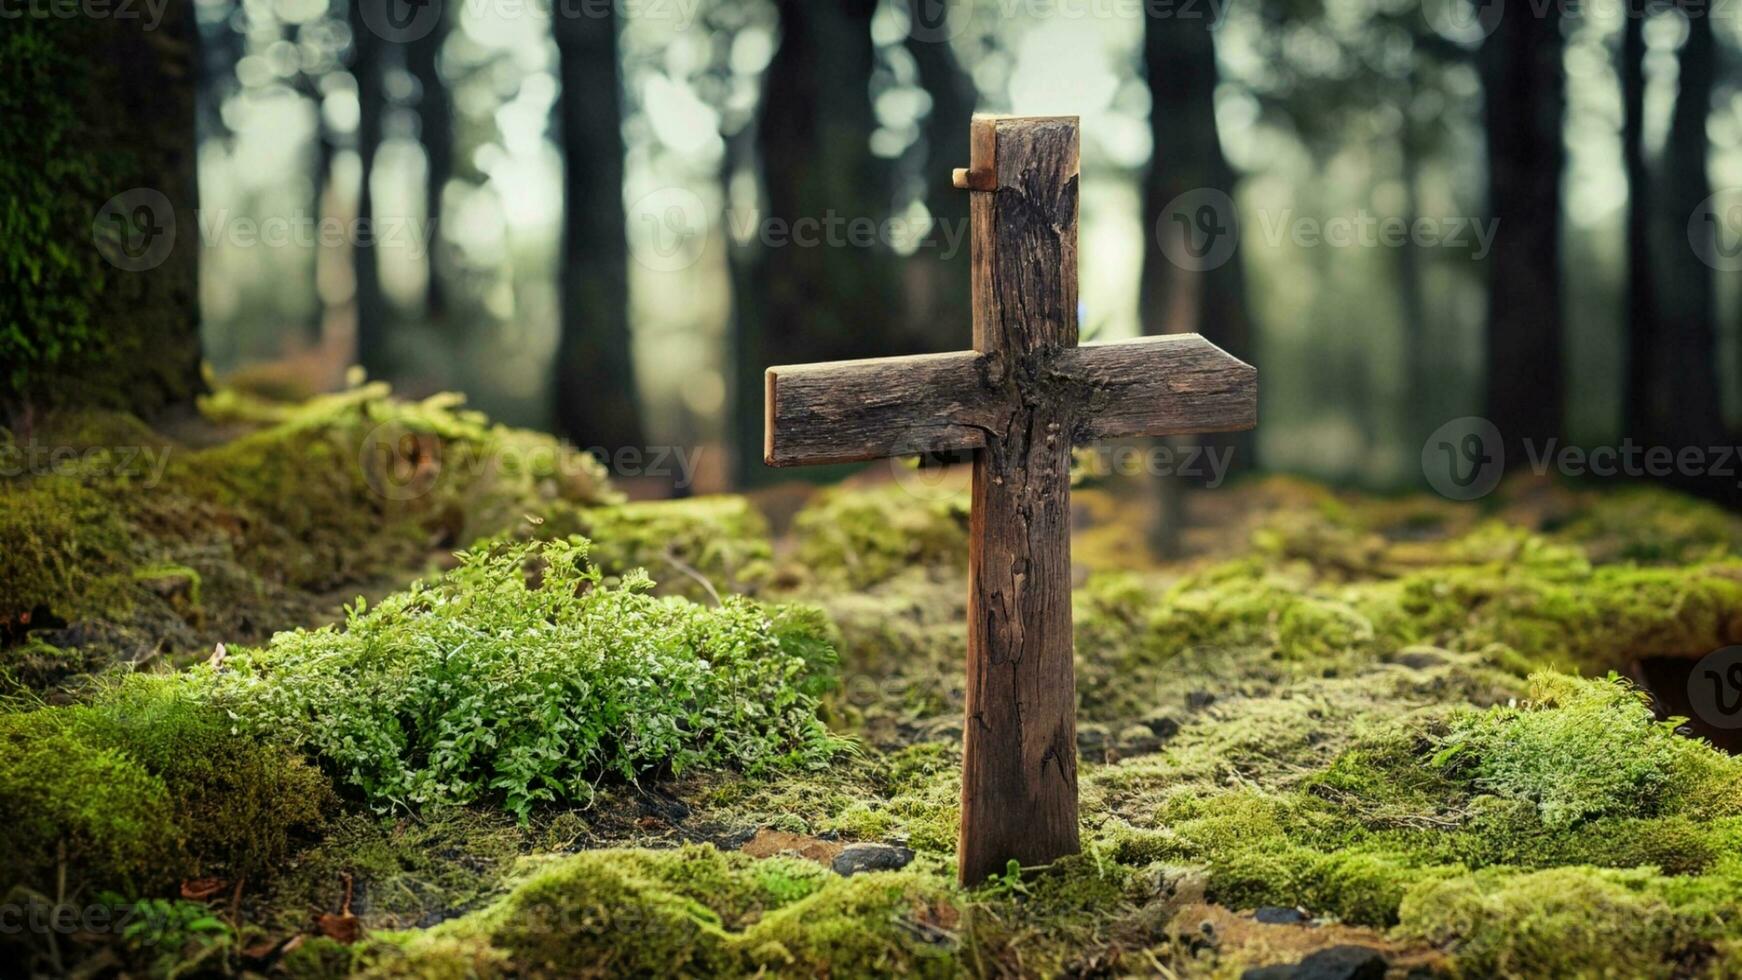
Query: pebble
(855, 858)
(1335, 963)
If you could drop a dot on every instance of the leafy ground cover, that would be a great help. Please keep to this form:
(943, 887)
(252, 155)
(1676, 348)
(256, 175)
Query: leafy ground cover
(1368, 730)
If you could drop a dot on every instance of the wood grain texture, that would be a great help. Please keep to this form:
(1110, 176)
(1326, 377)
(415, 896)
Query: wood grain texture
(850, 411)
(1157, 386)
(1020, 400)
(1019, 749)
(846, 411)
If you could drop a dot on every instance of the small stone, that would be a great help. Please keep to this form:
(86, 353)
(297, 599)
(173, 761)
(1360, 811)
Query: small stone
(855, 858)
(1093, 741)
(1164, 726)
(1420, 658)
(1335, 963)
(1276, 915)
(1137, 739)
(1198, 700)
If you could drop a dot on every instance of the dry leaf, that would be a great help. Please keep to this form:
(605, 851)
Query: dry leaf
(200, 889)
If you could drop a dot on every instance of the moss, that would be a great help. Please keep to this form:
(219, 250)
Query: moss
(143, 786)
(703, 547)
(62, 798)
(73, 328)
(1516, 591)
(1650, 525)
(1569, 922)
(1573, 618)
(1581, 749)
(1577, 774)
(861, 537)
(404, 872)
(688, 912)
(66, 551)
(124, 555)
(1334, 716)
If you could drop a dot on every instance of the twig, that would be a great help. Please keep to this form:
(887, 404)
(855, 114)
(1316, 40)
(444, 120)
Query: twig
(671, 557)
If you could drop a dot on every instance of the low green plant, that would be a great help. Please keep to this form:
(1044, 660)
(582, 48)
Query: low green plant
(1580, 749)
(173, 936)
(525, 675)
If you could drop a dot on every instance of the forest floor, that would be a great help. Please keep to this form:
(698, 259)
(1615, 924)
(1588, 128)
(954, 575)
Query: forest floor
(1345, 736)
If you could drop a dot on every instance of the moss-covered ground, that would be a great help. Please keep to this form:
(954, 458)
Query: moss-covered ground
(1396, 724)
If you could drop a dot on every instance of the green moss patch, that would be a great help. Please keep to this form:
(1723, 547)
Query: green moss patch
(143, 786)
(521, 675)
(120, 544)
(693, 911)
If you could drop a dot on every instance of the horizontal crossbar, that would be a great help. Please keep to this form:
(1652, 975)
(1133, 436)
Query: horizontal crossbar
(849, 411)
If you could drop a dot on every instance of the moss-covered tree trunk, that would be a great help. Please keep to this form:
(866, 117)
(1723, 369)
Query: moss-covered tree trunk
(98, 222)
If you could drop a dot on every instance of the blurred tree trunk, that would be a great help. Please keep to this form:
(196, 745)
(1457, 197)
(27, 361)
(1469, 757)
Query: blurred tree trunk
(940, 308)
(322, 150)
(1639, 415)
(367, 69)
(1418, 366)
(822, 301)
(1524, 98)
(1681, 402)
(435, 115)
(596, 403)
(1179, 60)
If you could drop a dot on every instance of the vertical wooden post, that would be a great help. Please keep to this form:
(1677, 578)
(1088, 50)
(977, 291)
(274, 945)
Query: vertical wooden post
(1019, 774)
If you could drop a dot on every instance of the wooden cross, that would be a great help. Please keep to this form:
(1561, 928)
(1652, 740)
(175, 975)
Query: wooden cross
(1020, 400)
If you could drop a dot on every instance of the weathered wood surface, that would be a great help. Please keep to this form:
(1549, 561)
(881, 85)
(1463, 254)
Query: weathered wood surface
(845, 411)
(849, 411)
(1020, 399)
(1158, 386)
(1019, 747)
